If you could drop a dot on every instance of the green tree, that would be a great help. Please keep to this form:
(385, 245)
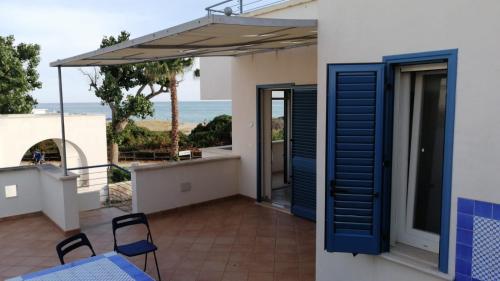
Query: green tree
(127, 90)
(18, 75)
(214, 133)
(112, 83)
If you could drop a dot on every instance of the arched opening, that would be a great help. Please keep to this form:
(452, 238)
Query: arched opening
(49, 152)
(46, 151)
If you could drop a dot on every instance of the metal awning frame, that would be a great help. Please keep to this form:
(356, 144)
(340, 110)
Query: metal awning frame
(178, 30)
(173, 31)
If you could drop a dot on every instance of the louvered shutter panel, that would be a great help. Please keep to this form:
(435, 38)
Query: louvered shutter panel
(304, 152)
(354, 158)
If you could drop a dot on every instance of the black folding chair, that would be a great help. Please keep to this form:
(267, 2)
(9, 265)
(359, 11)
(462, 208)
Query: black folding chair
(142, 247)
(72, 243)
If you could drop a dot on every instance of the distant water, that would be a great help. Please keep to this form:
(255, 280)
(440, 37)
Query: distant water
(189, 111)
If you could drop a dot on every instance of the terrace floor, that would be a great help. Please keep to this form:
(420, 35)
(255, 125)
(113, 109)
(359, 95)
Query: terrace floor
(234, 239)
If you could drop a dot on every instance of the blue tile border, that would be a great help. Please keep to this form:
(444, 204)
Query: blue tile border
(467, 209)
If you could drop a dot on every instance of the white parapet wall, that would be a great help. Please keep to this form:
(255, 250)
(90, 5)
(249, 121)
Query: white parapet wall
(85, 146)
(166, 186)
(33, 189)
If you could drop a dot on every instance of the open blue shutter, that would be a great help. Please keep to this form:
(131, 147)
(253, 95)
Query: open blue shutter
(354, 158)
(304, 152)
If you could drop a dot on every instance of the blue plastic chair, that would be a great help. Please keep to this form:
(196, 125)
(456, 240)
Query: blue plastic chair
(142, 247)
(72, 243)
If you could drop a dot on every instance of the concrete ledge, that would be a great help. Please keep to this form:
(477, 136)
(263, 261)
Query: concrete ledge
(18, 168)
(183, 163)
(56, 172)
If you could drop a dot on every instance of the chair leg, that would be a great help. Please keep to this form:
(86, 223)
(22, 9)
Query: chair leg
(157, 268)
(146, 262)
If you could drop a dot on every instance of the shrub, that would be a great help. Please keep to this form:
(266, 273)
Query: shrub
(118, 175)
(214, 133)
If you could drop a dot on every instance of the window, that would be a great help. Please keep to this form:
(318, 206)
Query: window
(374, 167)
(10, 191)
(418, 146)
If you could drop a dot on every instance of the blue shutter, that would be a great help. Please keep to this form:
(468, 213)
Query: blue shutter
(354, 158)
(304, 152)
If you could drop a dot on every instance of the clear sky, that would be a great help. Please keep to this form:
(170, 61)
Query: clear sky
(65, 28)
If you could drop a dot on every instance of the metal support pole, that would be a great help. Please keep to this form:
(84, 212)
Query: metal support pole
(241, 7)
(63, 132)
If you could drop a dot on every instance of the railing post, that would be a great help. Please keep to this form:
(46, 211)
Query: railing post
(110, 172)
(241, 6)
(63, 132)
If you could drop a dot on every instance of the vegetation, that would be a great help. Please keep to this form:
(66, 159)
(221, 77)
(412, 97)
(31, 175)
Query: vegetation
(118, 175)
(18, 75)
(214, 133)
(278, 125)
(135, 138)
(112, 85)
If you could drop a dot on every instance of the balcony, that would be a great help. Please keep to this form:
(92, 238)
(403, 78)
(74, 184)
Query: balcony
(227, 239)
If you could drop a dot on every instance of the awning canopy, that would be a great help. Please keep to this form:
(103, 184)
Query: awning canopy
(214, 35)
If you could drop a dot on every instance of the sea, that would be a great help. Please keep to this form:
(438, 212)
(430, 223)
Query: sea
(189, 111)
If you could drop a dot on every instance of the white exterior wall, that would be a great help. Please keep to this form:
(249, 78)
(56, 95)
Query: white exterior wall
(291, 66)
(41, 189)
(59, 197)
(161, 187)
(28, 192)
(85, 145)
(85, 134)
(244, 73)
(354, 31)
(216, 79)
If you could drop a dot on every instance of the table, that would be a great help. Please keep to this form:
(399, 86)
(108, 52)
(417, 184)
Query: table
(109, 266)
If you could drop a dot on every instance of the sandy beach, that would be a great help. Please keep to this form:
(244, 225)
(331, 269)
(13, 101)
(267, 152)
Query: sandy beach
(160, 125)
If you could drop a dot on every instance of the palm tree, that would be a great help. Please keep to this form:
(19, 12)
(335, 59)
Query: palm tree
(175, 68)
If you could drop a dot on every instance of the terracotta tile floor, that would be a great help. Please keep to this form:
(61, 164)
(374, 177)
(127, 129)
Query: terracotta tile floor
(230, 240)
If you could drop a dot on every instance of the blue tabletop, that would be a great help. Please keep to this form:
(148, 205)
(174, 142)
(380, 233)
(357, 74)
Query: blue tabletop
(109, 266)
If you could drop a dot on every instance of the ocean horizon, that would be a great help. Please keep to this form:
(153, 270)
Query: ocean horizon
(189, 111)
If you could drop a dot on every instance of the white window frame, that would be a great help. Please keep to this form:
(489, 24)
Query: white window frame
(404, 169)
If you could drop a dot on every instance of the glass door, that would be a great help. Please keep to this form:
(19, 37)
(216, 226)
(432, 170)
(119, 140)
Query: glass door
(425, 171)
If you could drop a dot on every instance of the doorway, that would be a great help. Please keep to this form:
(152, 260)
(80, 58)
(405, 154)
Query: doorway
(287, 148)
(274, 129)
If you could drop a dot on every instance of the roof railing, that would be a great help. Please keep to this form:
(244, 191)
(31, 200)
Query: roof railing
(238, 7)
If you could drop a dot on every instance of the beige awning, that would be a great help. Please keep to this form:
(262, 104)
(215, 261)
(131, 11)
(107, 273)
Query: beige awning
(214, 35)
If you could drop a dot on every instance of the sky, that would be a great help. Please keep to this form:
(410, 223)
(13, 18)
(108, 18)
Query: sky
(66, 28)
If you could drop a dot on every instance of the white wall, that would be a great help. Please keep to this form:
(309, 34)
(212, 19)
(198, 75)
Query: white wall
(291, 66)
(246, 72)
(85, 145)
(159, 187)
(86, 134)
(28, 191)
(59, 197)
(216, 80)
(353, 31)
(41, 189)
